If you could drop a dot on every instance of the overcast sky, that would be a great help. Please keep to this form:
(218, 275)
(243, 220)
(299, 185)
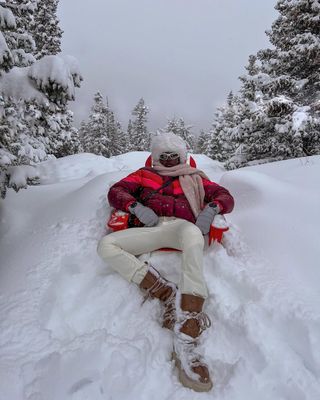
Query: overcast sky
(182, 56)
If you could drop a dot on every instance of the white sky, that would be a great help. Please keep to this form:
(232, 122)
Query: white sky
(182, 56)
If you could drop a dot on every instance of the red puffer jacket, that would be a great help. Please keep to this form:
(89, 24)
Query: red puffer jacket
(169, 201)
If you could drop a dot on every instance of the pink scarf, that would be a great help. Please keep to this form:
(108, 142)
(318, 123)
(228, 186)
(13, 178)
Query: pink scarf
(191, 183)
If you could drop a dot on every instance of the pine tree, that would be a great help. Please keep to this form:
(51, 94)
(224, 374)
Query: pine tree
(102, 134)
(202, 142)
(221, 136)
(94, 133)
(279, 117)
(114, 132)
(121, 140)
(129, 145)
(57, 77)
(7, 25)
(34, 118)
(178, 127)
(16, 45)
(19, 36)
(296, 37)
(140, 137)
(45, 29)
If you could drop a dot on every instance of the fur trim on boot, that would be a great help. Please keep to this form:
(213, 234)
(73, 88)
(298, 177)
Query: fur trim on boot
(192, 321)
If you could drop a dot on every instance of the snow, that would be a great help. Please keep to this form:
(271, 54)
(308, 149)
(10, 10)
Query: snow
(15, 84)
(74, 68)
(7, 19)
(19, 176)
(4, 50)
(51, 72)
(71, 328)
(46, 75)
(299, 118)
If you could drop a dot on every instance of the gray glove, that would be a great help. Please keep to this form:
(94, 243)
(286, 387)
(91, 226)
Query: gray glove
(206, 216)
(147, 216)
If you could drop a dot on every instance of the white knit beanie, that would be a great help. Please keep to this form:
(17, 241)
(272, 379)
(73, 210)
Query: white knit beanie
(168, 142)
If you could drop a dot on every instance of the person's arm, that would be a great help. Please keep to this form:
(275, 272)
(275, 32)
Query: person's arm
(122, 197)
(218, 195)
(219, 201)
(122, 194)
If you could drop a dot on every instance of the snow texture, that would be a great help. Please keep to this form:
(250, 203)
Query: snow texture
(54, 72)
(15, 84)
(300, 117)
(7, 19)
(74, 69)
(19, 175)
(71, 328)
(4, 50)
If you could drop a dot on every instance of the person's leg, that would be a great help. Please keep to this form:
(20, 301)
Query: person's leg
(193, 371)
(119, 249)
(188, 238)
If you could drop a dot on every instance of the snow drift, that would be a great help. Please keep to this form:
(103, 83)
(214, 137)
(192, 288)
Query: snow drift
(71, 328)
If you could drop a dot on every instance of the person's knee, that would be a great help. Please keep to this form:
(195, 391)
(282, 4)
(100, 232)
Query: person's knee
(106, 246)
(191, 235)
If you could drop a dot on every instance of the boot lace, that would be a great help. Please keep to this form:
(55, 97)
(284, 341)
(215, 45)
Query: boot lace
(202, 319)
(159, 284)
(169, 315)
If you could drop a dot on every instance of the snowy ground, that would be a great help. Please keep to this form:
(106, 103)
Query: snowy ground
(71, 328)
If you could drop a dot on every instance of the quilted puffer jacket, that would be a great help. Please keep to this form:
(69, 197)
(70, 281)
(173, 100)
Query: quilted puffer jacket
(169, 201)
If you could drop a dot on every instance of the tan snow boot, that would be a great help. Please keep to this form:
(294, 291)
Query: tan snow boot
(158, 287)
(193, 372)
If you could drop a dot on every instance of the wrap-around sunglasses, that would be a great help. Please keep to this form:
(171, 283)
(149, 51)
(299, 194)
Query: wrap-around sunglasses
(169, 156)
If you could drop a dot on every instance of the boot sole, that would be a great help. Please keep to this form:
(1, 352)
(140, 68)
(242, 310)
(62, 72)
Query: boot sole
(187, 381)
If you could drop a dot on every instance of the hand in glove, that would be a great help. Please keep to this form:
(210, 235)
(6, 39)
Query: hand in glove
(145, 214)
(206, 216)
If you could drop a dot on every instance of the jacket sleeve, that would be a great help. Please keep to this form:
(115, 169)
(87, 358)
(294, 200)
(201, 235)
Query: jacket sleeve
(219, 195)
(122, 193)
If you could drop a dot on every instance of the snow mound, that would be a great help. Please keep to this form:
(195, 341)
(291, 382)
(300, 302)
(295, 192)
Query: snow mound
(75, 167)
(71, 328)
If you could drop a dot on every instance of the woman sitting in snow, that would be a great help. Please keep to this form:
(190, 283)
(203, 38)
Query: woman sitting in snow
(176, 204)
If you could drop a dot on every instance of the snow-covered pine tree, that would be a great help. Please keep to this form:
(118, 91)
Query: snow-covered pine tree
(16, 145)
(7, 25)
(56, 120)
(102, 134)
(128, 144)
(114, 132)
(296, 62)
(33, 116)
(57, 77)
(178, 127)
(121, 140)
(18, 37)
(250, 138)
(47, 35)
(280, 92)
(219, 145)
(45, 29)
(140, 137)
(83, 134)
(94, 132)
(202, 142)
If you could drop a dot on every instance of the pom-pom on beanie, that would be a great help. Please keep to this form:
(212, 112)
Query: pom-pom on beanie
(168, 142)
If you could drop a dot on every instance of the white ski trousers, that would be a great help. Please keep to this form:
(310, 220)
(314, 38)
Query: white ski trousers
(119, 249)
